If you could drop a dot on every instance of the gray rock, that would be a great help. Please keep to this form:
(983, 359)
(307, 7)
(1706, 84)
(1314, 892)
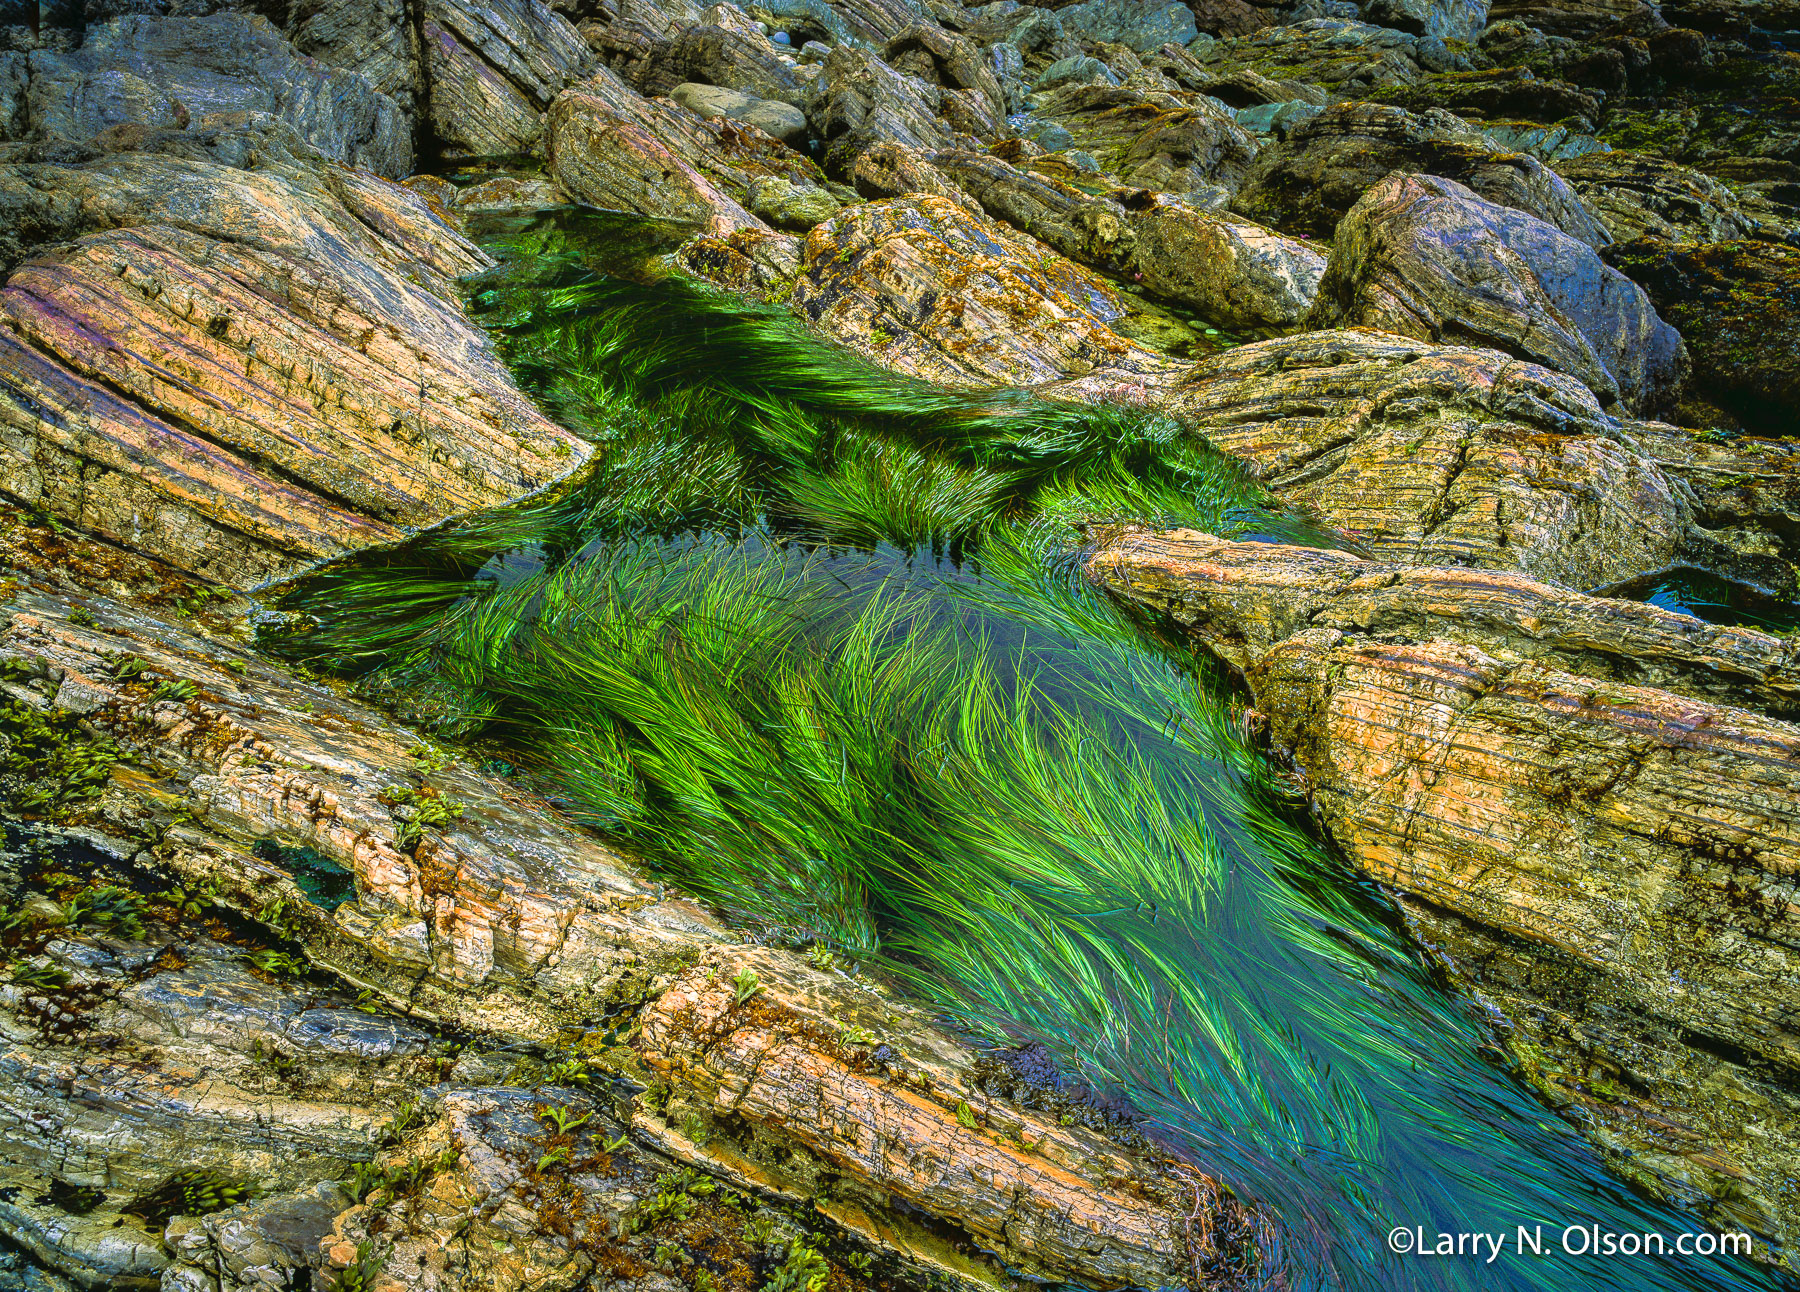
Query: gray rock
(814, 51)
(1276, 118)
(1460, 20)
(12, 95)
(177, 73)
(372, 38)
(858, 101)
(1546, 143)
(1305, 184)
(781, 120)
(1048, 135)
(102, 1249)
(1424, 257)
(495, 66)
(1080, 70)
(1141, 25)
(735, 56)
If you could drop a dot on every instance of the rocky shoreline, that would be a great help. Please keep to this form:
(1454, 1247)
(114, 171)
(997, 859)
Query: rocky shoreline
(1501, 295)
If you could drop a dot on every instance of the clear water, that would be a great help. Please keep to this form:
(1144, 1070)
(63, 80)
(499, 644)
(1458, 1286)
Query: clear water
(1095, 860)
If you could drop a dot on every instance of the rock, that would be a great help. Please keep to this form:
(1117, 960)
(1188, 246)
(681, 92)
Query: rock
(858, 101)
(173, 73)
(373, 38)
(1504, 93)
(507, 193)
(1234, 274)
(953, 62)
(1423, 256)
(1636, 195)
(1092, 230)
(101, 1249)
(603, 158)
(785, 206)
(1346, 57)
(748, 262)
(1738, 302)
(746, 1067)
(1587, 780)
(778, 120)
(728, 54)
(1079, 70)
(493, 68)
(1227, 17)
(1140, 25)
(888, 170)
(1306, 184)
(874, 21)
(728, 155)
(271, 368)
(1439, 455)
(510, 925)
(1460, 20)
(925, 287)
(1160, 141)
(1546, 143)
(1579, 19)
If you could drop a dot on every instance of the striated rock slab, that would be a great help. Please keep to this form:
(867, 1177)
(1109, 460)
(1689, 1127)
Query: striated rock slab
(1095, 231)
(858, 102)
(257, 371)
(926, 287)
(900, 1115)
(1177, 143)
(1541, 771)
(499, 919)
(1233, 272)
(1305, 184)
(493, 68)
(608, 146)
(1637, 195)
(502, 900)
(1444, 455)
(1423, 256)
(160, 73)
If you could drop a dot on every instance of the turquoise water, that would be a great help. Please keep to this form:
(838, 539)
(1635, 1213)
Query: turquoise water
(816, 645)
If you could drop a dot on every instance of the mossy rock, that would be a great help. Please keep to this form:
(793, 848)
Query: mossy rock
(1738, 306)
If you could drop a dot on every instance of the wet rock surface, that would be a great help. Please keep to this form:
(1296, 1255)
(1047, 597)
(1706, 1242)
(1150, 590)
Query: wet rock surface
(1532, 767)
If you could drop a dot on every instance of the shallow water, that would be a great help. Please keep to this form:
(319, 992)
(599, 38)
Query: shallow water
(905, 726)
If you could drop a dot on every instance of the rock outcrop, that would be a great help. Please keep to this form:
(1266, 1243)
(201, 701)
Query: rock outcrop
(149, 73)
(1445, 455)
(1305, 184)
(463, 900)
(1232, 272)
(1425, 257)
(933, 290)
(1602, 778)
(244, 372)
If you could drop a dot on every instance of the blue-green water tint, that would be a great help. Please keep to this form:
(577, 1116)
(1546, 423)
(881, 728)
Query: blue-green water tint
(1706, 596)
(949, 752)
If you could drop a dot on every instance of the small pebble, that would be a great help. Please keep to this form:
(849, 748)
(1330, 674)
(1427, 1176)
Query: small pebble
(782, 38)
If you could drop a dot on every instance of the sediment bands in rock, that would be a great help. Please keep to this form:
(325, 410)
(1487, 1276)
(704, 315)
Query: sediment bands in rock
(1604, 779)
(253, 370)
(505, 922)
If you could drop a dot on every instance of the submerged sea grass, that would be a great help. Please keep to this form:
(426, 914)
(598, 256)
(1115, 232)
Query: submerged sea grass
(810, 639)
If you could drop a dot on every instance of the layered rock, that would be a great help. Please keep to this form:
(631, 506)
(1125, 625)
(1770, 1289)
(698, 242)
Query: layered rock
(1425, 257)
(1307, 183)
(1640, 196)
(1444, 455)
(1738, 302)
(1232, 272)
(1600, 778)
(930, 289)
(1150, 140)
(154, 73)
(246, 372)
(493, 68)
(492, 914)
